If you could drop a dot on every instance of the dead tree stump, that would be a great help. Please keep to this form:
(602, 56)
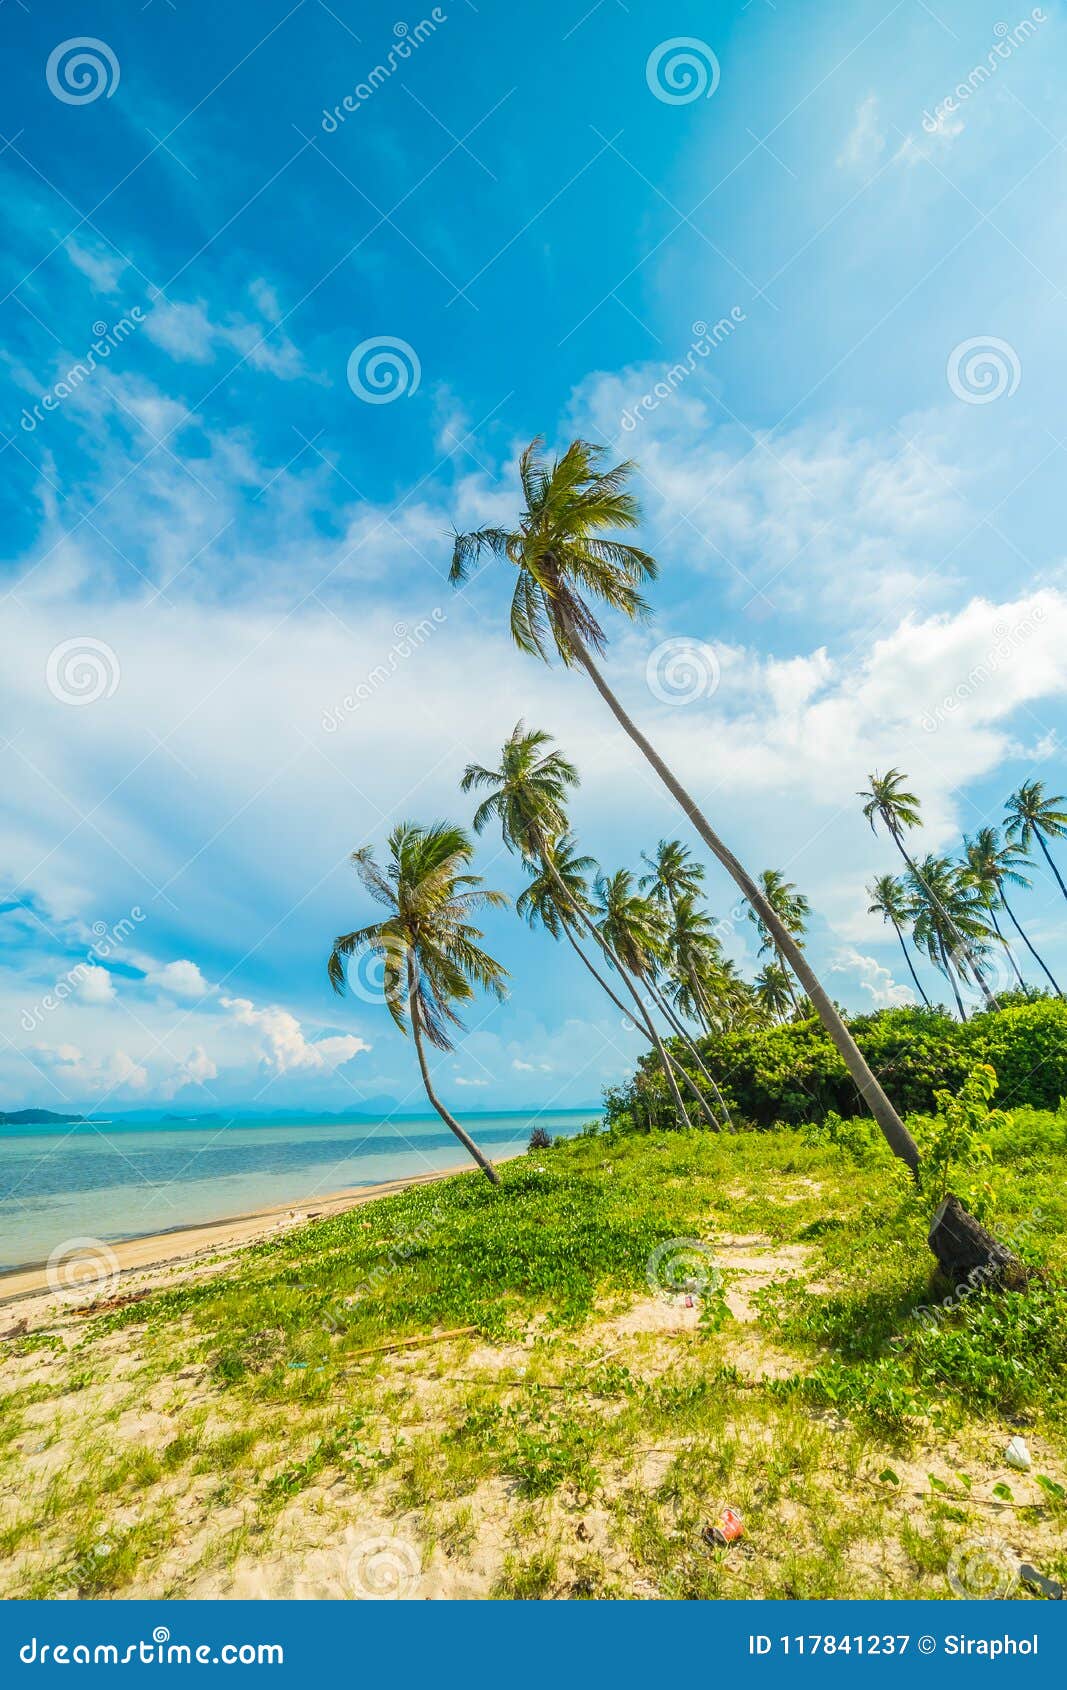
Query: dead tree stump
(969, 1255)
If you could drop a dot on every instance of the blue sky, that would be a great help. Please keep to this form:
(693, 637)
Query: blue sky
(214, 538)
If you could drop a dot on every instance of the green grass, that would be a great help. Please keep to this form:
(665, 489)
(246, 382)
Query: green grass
(280, 1418)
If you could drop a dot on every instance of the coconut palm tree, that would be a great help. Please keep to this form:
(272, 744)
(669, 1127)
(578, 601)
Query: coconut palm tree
(674, 880)
(427, 945)
(890, 900)
(528, 796)
(998, 866)
(568, 560)
(948, 923)
(774, 991)
(636, 930)
(691, 959)
(888, 802)
(542, 903)
(1033, 816)
(983, 869)
(673, 872)
(695, 957)
(792, 910)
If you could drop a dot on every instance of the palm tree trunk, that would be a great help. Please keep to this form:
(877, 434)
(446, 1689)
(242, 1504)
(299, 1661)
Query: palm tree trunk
(700, 999)
(1007, 947)
(788, 980)
(896, 1133)
(946, 967)
(911, 966)
(450, 1121)
(676, 1025)
(1048, 859)
(1026, 942)
(991, 1002)
(645, 1024)
(574, 909)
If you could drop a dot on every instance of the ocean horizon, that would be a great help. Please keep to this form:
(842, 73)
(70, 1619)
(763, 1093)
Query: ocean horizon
(128, 1178)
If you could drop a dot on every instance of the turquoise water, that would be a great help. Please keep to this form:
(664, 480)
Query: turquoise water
(121, 1180)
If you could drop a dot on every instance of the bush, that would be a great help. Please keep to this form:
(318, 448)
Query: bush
(791, 1074)
(540, 1139)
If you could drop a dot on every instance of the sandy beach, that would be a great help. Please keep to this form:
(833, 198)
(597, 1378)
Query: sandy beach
(138, 1260)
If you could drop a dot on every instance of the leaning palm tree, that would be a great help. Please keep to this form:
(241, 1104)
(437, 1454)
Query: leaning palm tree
(998, 866)
(889, 899)
(949, 924)
(674, 880)
(551, 900)
(774, 991)
(1033, 816)
(427, 945)
(689, 955)
(889, 802)
(792, 909)
(983, 869)
(567, 561)
(695, 958)
(527, 795)
(673, 873)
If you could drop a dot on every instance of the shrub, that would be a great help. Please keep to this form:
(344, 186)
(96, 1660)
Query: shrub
(540, 1139)
(957, 1146)
(791, 1074)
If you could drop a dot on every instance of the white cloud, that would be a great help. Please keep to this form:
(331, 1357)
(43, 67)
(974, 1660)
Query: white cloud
(865, 142)
(101, 264)
(181, 979)
(284, 1045)
(815, 519)
(874, 979)
(462, 1080)
(186, 330)
(94, 985)
(196, 1070)
(115, 1073)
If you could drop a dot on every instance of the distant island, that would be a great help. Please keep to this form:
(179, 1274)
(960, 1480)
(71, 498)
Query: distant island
(36, 1118)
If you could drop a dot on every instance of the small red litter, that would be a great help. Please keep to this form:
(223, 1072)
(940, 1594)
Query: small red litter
(728, 1530)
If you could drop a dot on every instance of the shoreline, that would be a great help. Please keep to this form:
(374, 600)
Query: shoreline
(181, 1246)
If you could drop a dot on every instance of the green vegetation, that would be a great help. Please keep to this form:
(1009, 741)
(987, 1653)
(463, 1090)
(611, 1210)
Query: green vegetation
(790, 1073)
(576, 1441)
(427, 947)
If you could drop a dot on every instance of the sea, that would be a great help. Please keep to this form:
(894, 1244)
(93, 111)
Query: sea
(113, 1180)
